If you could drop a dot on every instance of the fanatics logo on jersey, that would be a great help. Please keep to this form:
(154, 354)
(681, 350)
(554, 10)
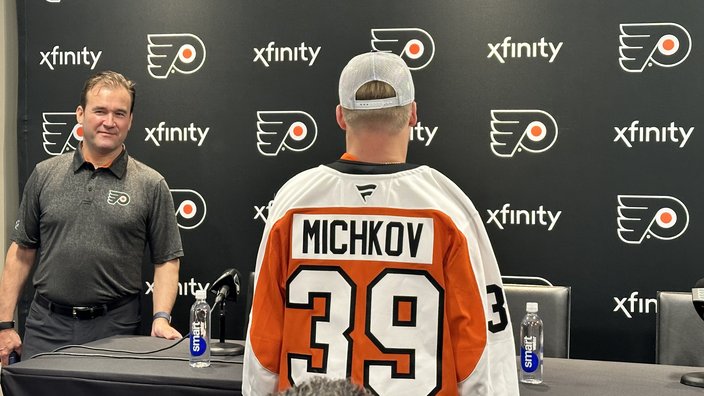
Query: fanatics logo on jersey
(642, 216)
(58, 57)
(118, 197)
(513, 131)
(170, 53)
(61, 133)
(362, 237)
(414, 45)
(281, 130)
(365, 190)
(190, 208)
(646, 44)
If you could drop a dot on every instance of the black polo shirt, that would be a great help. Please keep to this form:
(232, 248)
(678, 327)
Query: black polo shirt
(91, 226)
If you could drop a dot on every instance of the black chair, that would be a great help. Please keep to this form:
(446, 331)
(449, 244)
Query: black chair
(679, 331)
(554, 308)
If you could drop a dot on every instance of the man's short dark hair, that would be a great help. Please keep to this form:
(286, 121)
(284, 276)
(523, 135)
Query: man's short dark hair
(108, 79)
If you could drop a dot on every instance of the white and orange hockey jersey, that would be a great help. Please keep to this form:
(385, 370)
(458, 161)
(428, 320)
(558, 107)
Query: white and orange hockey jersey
(383, 274)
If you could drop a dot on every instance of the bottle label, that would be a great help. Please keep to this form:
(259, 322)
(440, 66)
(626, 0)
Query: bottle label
(198, 343)
(529, 358)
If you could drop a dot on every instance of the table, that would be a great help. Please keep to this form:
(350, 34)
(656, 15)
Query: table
(96, 375)
(575, 377)
(129, 375)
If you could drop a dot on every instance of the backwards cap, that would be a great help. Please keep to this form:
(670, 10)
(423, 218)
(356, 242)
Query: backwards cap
(376, 66)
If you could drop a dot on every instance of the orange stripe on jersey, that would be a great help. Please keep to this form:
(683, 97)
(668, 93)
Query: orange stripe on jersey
(391, 303)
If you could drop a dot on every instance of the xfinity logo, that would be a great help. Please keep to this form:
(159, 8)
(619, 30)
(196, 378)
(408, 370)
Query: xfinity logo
(189, 133)
(185, 288)
(171, 53)
(513, 131)
(260, 211)
(423, 133)
(645, 134)
(414, 45)
(633, 304)
(281, 130)
(540, 216)
(270, 53)
(57, 57)
(508, 49)
(641, 217)
(648, 44)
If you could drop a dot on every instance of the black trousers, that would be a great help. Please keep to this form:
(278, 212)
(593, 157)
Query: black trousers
(45, 330)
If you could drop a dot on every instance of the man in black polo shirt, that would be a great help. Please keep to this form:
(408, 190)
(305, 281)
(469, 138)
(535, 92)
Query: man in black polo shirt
(88, 216)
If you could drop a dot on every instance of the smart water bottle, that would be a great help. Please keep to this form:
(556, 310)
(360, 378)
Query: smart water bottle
(199, 339)
(531, 346)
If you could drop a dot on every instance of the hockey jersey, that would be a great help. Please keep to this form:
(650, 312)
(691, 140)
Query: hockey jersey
(383, 274)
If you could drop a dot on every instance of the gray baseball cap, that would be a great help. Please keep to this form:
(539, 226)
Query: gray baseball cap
(376, 66)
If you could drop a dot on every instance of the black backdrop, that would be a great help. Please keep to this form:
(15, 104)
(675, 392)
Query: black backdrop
(594, 75)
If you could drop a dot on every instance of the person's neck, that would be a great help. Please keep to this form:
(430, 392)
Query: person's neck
(100, 160)
(378, 148)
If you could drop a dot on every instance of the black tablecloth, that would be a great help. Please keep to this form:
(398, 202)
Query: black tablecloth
(129, 375)
(102, 376)
(574, 377)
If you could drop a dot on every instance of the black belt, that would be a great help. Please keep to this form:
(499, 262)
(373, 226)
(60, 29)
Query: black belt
(82, 312)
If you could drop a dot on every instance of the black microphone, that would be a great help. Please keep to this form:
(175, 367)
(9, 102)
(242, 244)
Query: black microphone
(696, 379)
(224, 286)
(698, 297)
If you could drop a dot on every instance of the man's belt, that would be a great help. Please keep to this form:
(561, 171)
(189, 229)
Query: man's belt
(82, 312)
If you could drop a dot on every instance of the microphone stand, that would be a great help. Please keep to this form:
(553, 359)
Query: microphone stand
(693, 379)
(223, 348)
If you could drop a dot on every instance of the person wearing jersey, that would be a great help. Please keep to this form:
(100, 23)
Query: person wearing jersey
(377, 270)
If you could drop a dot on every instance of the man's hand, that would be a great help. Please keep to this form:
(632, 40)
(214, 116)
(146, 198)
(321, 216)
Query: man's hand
(9, 341)
(162, 328)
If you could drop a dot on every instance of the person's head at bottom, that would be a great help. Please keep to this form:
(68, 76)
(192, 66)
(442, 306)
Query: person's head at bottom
(323, 386)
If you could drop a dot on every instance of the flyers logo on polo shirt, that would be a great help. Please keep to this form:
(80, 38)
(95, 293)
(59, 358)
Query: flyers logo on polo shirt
(190, 208)
(170, 53)
(513, 131)
(643, 216)
(645, 44)
(281, 130)
(61, 133)
(414, 45)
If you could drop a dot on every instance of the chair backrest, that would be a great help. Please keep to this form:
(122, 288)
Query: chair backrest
(554, 308)
(679, 331)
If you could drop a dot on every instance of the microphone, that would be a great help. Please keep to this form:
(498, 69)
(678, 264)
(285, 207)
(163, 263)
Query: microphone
(224, 286)
(696, 379)
(698, 297)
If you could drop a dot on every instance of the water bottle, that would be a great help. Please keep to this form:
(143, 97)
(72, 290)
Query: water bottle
(199, 339)
(531, 346)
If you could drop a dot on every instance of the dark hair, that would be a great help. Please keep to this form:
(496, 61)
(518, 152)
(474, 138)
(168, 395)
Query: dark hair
(323, 386)
(109, 79)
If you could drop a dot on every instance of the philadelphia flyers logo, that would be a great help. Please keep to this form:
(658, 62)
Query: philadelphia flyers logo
(647, 44)
(514, 131)
(644, 216)
(61, 133)
(414, 45)
(190, 208)
(118, 197)
(171, 53)
(281, 130)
